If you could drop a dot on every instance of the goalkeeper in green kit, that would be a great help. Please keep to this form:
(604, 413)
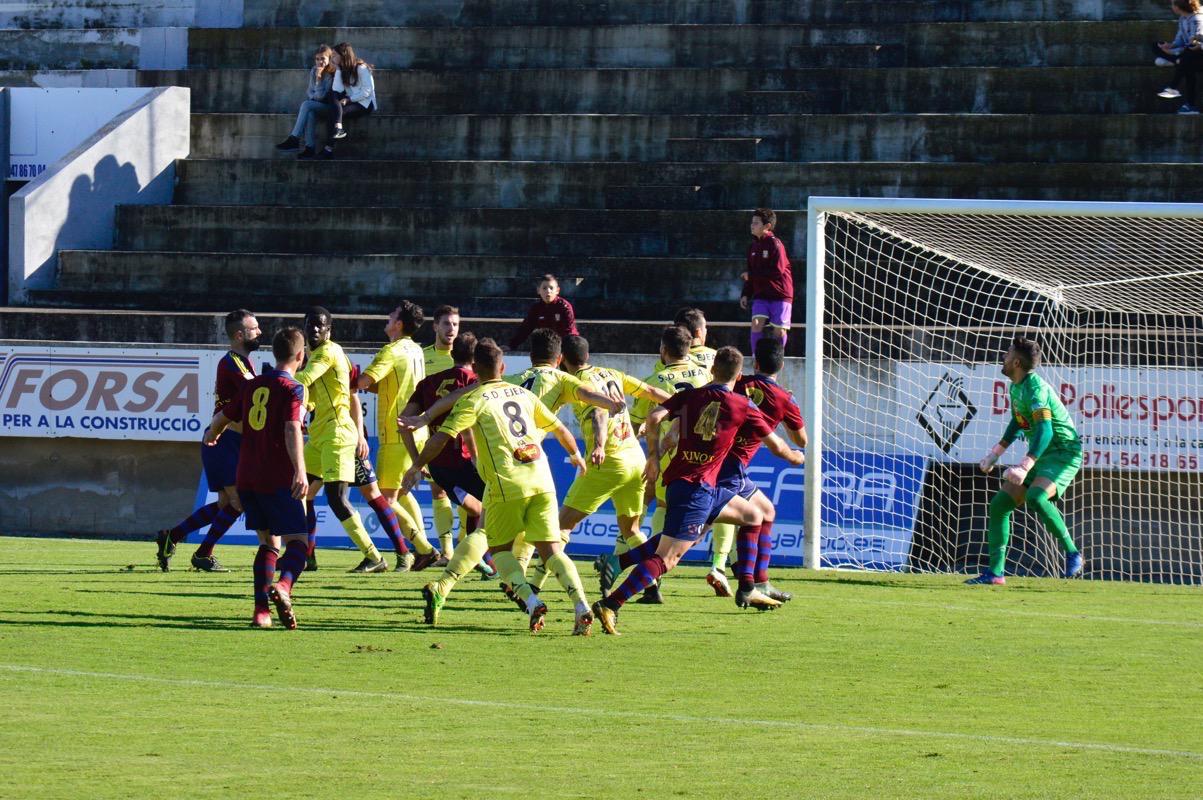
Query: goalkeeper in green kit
(1053, 459)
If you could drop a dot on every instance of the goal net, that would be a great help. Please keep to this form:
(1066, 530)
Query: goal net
(913, 304)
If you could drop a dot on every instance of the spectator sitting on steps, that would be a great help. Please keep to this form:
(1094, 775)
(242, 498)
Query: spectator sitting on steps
(551, 311)
(1184, 54)
(355, 92)
(319, 95)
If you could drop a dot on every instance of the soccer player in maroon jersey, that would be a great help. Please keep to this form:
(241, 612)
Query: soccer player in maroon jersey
(220, 462)
(769, 281)
(708, 419)
(551, 311)
(754, 544)
(271, 477)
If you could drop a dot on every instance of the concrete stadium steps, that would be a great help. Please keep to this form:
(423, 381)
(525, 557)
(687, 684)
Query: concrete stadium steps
(94, 325)
(437, 230)
(983, 90)
(999, 44)
(782, 137)
(304, 13)
(530, 188)
(484, 286)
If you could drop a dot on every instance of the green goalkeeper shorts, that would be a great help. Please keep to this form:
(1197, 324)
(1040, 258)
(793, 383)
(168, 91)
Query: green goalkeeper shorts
(1060, 467)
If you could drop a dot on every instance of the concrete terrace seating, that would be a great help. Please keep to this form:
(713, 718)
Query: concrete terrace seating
(619, 144)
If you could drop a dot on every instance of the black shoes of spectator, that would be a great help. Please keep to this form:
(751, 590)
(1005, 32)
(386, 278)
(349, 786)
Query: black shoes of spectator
(326, 153)
(289, 144)
(307, 155)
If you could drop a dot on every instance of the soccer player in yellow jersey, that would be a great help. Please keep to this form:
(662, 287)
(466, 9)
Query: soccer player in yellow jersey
(694, 321)
(333, 436)
(437, 357)
(616, 460)
(508, 424)
(394, 372)
(681, 372)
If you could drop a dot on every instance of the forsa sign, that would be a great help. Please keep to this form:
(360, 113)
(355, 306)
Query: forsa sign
(104, 394)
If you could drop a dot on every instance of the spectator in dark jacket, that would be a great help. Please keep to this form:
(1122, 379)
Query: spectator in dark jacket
(551, 311)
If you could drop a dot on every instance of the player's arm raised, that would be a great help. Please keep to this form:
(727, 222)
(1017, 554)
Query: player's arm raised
(314, 368)
(643, 391)
(462, 417)
(986, 465)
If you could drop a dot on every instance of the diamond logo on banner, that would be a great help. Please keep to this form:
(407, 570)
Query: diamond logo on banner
(946, 412)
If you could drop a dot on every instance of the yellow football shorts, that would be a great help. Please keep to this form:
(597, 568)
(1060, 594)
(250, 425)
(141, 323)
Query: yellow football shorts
(537, 517)
(331, 461)
(619, 479)
(393, 461)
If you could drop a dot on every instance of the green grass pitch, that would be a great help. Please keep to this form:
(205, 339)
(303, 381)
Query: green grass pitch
(120, 681)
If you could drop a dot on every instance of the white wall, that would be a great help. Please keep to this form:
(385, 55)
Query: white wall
(131, 160)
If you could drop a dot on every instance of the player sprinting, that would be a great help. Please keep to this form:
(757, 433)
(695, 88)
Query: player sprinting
(334, 437)
(755, 544)
(1053, 459)
(508, 424)
(220, 461)
(681, 371)
(769, 280)
(616, 461)
(392, 376)
(271, 479)
(436, 358)
(709, 418)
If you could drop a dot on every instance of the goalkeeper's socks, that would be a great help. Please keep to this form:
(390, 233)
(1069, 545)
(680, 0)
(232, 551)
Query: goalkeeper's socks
(226, 517)
(291, 564)
(1053, 522)
(200, 518)
(764, 552)
(637, 555)
(747, 543)
(999, 527)
(265, 573)
(644, 575)
(389, 522)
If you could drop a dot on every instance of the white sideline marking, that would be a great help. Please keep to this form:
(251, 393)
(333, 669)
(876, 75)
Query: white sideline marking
(1016, 612)
(868, 730)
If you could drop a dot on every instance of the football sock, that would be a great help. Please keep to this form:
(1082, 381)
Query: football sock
(722, 536)
(265, 573)
(1054, 523)
(746, 544)
(639, 554)
(353, 525)
(566, 573)
(522, 552)
(199, 519)
(311, 521)
(623, 544)
(764, 552)
(390, 523)
(511, 572)
(643, 576)
(658, 518)
(999, 530)
(226, 516)
(413, 530)
(487, 558)
(536, 574)
(444, 519)
(291, 564)
(467, 555)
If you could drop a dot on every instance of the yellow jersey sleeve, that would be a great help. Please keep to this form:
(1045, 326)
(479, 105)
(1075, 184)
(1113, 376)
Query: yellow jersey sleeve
(319, 363)
(545, 420)
(633, 386)
(462, 415)
(382, 364)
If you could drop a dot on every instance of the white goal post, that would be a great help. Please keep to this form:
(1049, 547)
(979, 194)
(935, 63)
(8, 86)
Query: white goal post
(910, 307)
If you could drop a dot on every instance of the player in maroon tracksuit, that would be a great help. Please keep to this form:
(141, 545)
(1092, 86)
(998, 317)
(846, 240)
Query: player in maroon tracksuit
(271, 477)
(708, 420)
(769, 282)
(551, 311)
(754, 544)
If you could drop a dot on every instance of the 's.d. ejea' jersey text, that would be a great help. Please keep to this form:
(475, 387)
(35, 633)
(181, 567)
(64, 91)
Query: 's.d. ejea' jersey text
(508, 423)
(620, 435)
(397, 369)
(327, 376)
(1033, 399)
